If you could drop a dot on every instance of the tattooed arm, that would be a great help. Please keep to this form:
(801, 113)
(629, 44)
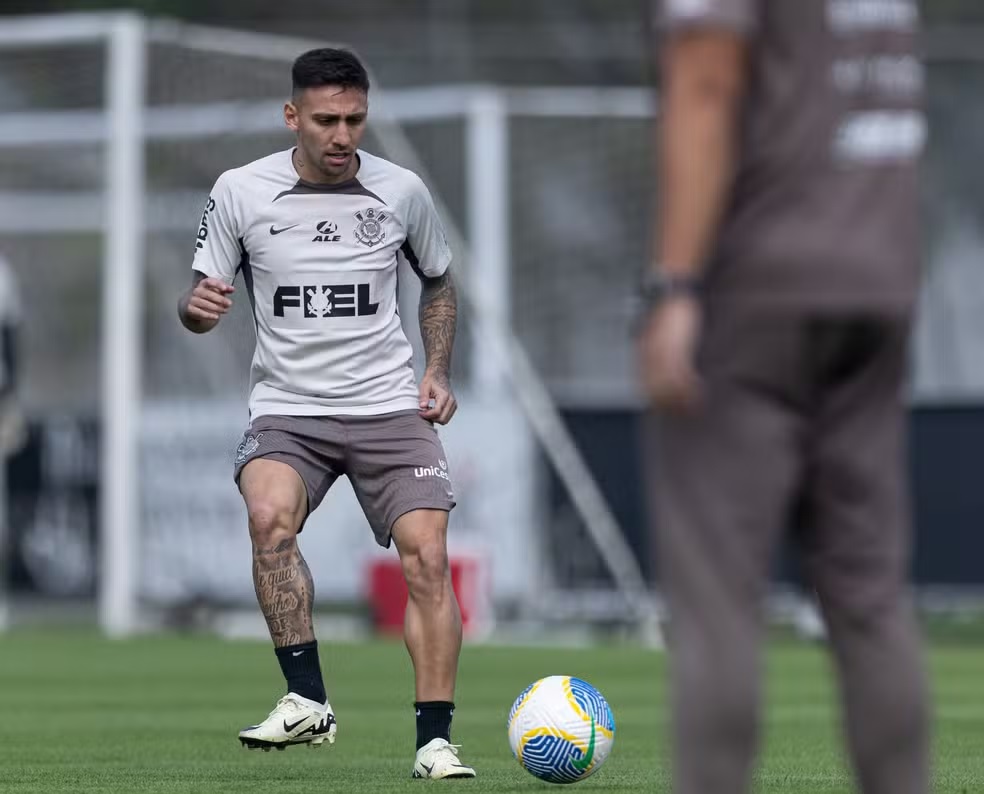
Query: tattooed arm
(438, 320)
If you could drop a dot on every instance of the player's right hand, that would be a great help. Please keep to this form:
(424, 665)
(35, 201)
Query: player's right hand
(207, 301)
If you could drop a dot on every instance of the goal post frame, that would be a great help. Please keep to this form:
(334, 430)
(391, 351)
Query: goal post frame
(501, 361)
(122, 325)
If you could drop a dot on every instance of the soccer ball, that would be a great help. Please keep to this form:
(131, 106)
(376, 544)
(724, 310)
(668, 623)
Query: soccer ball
(561, 729)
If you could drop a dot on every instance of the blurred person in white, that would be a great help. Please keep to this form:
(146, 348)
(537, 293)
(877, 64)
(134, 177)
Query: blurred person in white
(316, 232)
(774, 352)
(13, 428)
(13, 431)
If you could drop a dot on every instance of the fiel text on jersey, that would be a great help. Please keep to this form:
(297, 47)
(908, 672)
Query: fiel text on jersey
(325, 300)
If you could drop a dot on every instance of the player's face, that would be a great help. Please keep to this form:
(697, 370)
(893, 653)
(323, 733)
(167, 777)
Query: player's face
(329, 122)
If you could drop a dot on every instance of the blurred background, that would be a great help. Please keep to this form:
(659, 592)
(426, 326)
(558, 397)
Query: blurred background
(531, 120)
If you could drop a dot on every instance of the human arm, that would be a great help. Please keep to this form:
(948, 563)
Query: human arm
(426, 250)
(218, 252)
(704, 72)
(202, 306)
(438, 322)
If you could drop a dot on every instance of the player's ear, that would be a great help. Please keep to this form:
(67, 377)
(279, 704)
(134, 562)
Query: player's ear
(291, 116)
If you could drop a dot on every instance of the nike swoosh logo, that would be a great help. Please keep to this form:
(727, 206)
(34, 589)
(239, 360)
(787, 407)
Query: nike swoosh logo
(289, 728)
(296, 653)
(586, 759)
(274, 230)
(428, 768)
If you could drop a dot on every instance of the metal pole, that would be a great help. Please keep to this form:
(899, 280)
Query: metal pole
(25, 32)
(122, 326)
(488, 228)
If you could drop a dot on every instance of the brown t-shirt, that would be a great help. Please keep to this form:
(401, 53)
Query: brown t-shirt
(823, 211)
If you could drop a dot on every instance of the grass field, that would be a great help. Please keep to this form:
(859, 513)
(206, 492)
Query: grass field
(160, 714)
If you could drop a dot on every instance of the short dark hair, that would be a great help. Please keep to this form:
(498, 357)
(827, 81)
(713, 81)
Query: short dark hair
(328, 66)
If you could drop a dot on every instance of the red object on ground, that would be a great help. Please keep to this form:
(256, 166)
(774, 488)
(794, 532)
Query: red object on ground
(388, 594)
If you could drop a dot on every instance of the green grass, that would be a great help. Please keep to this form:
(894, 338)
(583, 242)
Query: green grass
(160, 714)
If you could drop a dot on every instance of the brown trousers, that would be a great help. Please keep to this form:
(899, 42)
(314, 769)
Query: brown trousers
(801, 427)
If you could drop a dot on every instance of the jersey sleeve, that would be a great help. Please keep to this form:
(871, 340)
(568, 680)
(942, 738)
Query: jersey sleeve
(426, 246)
(10, 298)
(218, 246)
(742, 16)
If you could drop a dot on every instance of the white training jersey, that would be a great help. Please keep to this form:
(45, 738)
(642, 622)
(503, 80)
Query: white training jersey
(10, 315)
(319, 264)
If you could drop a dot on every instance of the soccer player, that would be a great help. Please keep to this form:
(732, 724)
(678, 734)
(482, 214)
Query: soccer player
(316, 232)
(774, 350)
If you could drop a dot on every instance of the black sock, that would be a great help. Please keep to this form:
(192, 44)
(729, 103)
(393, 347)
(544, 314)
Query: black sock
(433, 721)
(302, 669)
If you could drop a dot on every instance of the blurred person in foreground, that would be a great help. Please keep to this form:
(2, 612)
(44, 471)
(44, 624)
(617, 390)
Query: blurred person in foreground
(774, 353)
(316, 232)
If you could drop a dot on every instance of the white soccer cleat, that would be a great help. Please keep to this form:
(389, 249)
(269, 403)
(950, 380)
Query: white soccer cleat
(438, 759)
(294, 720)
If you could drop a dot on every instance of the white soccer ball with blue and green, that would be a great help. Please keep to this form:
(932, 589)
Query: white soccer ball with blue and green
(561, 729)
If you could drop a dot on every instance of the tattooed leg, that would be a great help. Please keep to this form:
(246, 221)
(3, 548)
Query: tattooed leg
(285, 590)
(276, 501)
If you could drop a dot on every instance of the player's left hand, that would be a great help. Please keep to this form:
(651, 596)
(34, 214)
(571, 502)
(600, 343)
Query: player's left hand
(437, 402)
(667, 354)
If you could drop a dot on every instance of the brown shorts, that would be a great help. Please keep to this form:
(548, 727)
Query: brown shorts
(394, 461)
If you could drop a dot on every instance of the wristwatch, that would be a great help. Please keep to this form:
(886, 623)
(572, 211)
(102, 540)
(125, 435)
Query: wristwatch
(658, 285)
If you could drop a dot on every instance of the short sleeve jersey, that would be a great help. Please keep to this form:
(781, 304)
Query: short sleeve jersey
(10, 314)
(10, 297)
(824, 208)
(319, 265)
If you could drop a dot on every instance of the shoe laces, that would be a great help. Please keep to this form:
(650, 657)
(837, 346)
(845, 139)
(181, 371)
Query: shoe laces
(453, 748)
(286, 703)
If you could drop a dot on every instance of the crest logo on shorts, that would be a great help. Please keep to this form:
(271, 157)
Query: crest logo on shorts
(370, 232)
(250, 444)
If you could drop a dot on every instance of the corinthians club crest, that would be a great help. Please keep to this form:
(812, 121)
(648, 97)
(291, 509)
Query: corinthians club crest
(250, 444)
(370, 232)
